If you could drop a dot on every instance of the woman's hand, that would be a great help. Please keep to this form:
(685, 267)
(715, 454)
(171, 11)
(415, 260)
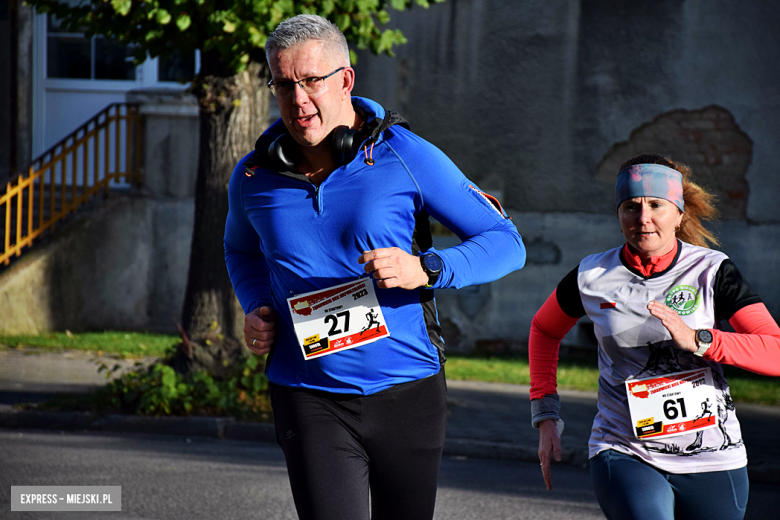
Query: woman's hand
(549, 442)
(682, 334)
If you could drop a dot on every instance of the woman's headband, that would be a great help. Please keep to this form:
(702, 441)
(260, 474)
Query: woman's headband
(649, 180)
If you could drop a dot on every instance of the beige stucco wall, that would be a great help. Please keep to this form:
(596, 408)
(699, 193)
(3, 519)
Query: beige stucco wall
(122, 266)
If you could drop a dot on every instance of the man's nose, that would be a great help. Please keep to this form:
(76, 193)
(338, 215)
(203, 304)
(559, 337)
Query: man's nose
(299, 97)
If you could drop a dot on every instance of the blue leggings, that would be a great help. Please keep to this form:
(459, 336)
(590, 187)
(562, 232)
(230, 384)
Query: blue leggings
(629, 489)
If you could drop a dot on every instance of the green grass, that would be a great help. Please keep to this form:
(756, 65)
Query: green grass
(505, 369)
(125, 344)
(745, 387)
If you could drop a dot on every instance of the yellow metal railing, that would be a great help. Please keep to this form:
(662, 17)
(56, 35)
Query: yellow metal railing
(103, 152)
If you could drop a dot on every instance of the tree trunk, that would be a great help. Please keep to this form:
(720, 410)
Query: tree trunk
(233, 113)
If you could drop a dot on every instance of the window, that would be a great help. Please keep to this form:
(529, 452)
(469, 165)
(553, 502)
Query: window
(73, 55)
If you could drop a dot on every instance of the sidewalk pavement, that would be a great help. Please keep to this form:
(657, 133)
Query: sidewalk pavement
(486, 420)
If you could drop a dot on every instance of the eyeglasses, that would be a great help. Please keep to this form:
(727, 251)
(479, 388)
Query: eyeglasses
(308, 85)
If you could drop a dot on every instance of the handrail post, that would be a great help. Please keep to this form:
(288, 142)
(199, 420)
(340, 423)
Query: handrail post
(7, 226)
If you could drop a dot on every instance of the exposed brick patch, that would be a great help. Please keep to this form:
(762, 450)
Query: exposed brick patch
(708, 140)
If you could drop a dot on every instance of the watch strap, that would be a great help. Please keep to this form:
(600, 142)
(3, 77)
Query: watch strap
(433, 276)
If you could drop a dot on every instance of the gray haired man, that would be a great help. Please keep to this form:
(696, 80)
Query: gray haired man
(329, 250)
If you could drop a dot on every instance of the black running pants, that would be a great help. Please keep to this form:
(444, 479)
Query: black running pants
(341, 448)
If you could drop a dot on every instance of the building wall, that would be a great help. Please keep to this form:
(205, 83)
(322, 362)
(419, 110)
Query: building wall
(540, 102)
(528, 97)
(124, 265)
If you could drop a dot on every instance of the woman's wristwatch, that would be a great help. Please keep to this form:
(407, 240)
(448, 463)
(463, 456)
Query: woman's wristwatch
(703, 341)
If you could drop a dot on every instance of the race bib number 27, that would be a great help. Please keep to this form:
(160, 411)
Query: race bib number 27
(337, 318)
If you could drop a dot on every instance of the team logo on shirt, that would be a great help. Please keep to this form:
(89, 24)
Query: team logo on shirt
(684, 299)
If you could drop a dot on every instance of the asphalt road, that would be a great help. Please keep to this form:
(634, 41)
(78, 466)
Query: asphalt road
(172, 478)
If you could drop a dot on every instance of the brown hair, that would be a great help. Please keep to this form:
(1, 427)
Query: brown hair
(699, 204)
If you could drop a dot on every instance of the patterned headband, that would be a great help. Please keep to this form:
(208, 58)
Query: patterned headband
(649, 180)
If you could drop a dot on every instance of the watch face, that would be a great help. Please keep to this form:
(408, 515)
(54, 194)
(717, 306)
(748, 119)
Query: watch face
(432, 263)
(704, 336)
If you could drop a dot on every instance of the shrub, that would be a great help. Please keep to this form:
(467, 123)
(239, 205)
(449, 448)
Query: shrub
(158, 390)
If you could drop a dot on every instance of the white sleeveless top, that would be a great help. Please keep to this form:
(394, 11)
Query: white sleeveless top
(635, 345)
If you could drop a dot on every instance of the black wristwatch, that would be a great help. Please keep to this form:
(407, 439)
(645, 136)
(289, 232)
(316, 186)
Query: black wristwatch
(432, 265)
(703, 341)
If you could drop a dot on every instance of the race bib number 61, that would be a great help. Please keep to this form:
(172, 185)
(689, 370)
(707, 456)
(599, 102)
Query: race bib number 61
(672, 404)
(337, 318)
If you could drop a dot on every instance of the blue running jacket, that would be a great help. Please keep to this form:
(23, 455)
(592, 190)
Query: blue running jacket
(286, 236)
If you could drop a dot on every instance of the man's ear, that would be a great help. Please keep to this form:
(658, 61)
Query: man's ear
(349, 82)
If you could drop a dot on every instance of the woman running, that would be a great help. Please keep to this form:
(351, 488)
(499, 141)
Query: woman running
(666, 442)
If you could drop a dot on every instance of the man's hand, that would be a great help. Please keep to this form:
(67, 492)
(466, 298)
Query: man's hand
(682, 334)
(260, 330)
(394, 267)
(549, 442)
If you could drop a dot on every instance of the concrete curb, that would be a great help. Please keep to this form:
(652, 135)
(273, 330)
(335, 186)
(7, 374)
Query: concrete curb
(214, 427)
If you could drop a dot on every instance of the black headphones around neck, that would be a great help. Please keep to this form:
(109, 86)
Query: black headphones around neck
(285, 154)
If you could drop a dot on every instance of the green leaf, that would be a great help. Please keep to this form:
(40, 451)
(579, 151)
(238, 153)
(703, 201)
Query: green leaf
(163, 17)
(386, 40)
(398, 5)
(327, 7)
(122, 6)
(183, 21)
(343, 21)
(151, 35)
(228, 26)
(169, 377)
(382, 17)
(255, 37)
